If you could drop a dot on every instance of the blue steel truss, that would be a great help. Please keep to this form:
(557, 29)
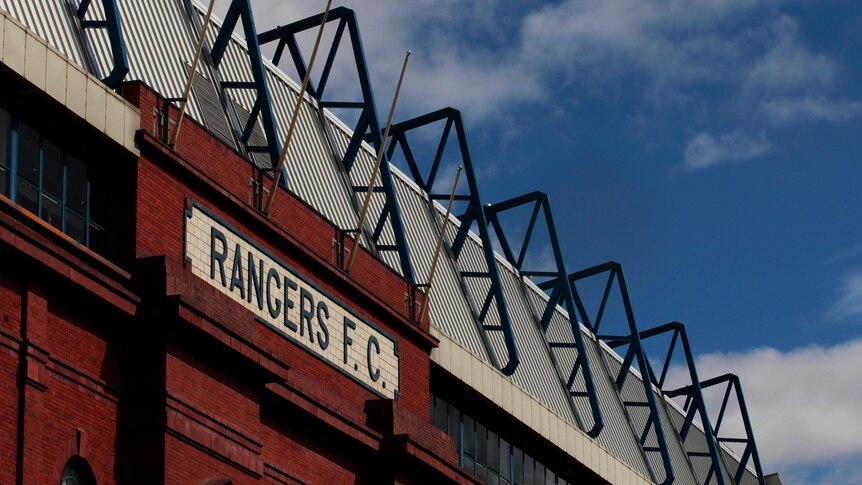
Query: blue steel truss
(731, 383)
(473, 213)
(240, 11)
(634, 352)
(695, 404)
(561, 291)
(367, 127)
(114, 29)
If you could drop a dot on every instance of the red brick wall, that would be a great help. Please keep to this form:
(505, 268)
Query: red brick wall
(10, 320)
(8, 411)
(67, 404)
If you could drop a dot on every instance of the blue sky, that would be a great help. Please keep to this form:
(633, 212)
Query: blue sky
(710, 146)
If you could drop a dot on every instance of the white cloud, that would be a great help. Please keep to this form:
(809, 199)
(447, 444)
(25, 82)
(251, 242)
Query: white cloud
(703, 62)
(849, 305)
(845, 254)
(791, 110)
(444, 70)
(788, 65)
(704, 150)
(673, 45)
(844, 472)
(804, 406)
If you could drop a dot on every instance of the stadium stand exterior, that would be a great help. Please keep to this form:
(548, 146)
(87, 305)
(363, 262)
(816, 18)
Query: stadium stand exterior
(157, 327)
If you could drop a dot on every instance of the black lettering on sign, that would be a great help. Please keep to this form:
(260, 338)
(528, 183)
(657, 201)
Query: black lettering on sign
(322, 316)
(348, 342)
(305, 313)
(236, 273)
(274, 308)
(255, 281)
(221, 256)
(289, 284)
(373, 373)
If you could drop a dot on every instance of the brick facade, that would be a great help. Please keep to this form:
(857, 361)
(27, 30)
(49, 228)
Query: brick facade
(151, 375)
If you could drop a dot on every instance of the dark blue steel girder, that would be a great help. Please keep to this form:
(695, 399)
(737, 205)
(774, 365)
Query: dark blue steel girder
(695, 404)
(367, 127)
(240, 11)
(749, 452)
(114, 29)
(634, 352)
(561, 291)
(399, 137)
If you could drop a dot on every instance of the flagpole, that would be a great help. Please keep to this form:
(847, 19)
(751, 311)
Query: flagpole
(299, 99)
(364, 213)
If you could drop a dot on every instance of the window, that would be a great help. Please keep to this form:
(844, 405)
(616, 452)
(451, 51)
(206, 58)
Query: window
(5, 131)
(486, 453)
(76, 471)
(43, 178)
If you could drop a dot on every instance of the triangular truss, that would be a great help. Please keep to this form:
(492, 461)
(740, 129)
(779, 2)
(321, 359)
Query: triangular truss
(559, 283)
(114, 29)
(734, 389)
(695, 406)
(399, 136)
(367, 127)
(634, 353)
(240, 12)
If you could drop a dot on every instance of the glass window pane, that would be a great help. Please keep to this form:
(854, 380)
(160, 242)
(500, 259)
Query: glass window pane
(52, 211)
(480, 472)
(28, 153)
(469, 438)
(454, 432)
(27, 197)
(4, 181)
(468, 464)
(505, 469)
(481, 444)
(52, 170)
(493, 451)
(76, 179)
(493, 478)
(76, 227)
(442, 419)
(550, 478)
(4, 152)
(517, 465)
(540, 473)
(529, 472)
(99, 193)
(4, 138)
(98, 239)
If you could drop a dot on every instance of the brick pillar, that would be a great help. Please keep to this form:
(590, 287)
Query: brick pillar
(32, 383)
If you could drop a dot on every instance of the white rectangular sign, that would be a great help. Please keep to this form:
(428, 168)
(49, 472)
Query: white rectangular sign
(296, 307)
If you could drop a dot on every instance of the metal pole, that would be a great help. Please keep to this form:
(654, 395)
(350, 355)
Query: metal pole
(439, 247)
(380, 149)
(283, 158)
(188, 89)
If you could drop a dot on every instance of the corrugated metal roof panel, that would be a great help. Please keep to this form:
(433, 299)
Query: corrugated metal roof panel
(449, 309)
(53, 21)
(160, 44)
(633, 391)
(536, 372)
(211, 107)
